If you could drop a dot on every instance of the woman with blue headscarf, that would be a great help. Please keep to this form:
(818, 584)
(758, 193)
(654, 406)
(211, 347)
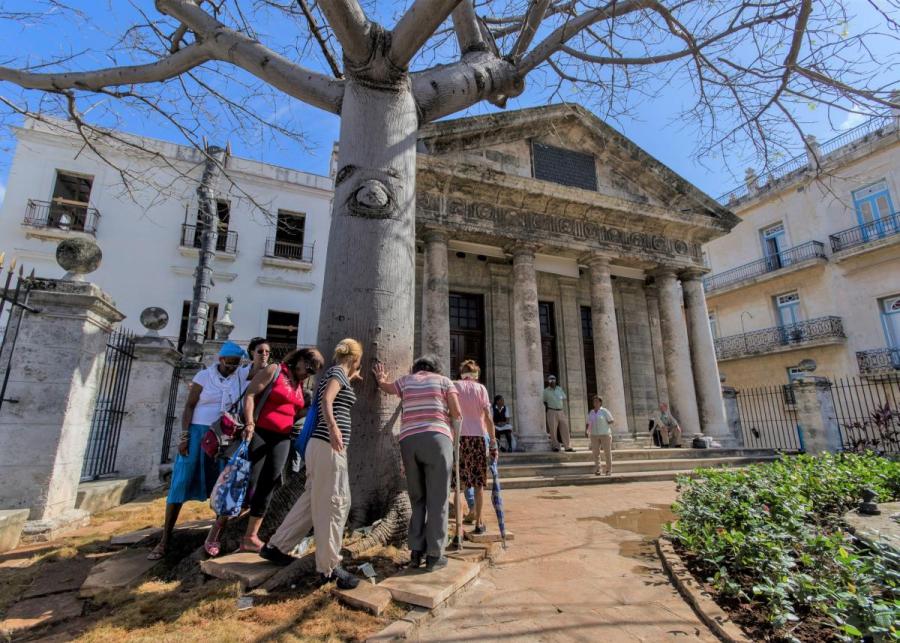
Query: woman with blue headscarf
(213, 390)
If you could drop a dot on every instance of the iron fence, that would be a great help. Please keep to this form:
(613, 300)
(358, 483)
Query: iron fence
(858, 235)
(13, 305)
(286, 250)
(768, 418)
(867, 413)
(192, 237)
(171, 415)
(62, 216)
(879, 360)
(803, 252)
(769, 339)
(109, 408)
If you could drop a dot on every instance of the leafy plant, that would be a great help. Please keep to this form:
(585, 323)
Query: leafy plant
(771, 535)
(880, 433)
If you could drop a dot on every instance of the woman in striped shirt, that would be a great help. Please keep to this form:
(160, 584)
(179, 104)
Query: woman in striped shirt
(325, 502)
(429, 402)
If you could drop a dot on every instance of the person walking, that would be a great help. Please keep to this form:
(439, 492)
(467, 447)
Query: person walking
(597, 428)
(268, 430)
(260, 350)
(325, 502)
(213, 390)
(502, 426)
(430, 404)
(477, 424)
(554, 402)
(669, 428)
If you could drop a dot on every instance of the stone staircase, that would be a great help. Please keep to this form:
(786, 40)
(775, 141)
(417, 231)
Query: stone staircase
(530, 470)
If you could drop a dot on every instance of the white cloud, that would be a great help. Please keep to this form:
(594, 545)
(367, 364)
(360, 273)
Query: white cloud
(852, 119)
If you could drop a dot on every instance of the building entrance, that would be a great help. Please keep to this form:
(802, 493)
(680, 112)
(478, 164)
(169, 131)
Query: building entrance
(466, 332)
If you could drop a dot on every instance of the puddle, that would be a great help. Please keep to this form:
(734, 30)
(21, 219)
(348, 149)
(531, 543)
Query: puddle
(647, 522)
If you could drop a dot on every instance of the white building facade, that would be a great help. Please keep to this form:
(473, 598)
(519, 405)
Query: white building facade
(273, 231)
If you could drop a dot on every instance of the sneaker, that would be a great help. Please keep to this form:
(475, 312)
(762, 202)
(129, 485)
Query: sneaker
(435, 562)
(570, 450)
(345, 580)
(415, 559)
(597, 472)
(275, 555)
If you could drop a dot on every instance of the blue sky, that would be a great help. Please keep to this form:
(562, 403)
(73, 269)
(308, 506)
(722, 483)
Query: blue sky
(654, 124)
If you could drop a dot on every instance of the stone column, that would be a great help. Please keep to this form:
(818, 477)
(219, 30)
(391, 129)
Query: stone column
(574, 352)
(141, 439)
(436, 298)
(502, 374)
(529, 410)
(819, 428)
(732, 417)
(703, 358)
(54, 377)
(607, 355)
(676, 354)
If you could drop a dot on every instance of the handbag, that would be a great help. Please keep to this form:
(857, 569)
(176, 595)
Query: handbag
(219, 436)
(309, 425)
(227, 496)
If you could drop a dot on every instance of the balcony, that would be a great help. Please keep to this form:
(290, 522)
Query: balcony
(805, 253)
(192, 236)
(778, 339)
(881, 361)
(283, 254)
(868, 236)
(61, 216)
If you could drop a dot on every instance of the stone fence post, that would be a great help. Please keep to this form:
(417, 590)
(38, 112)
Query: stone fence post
(140, 442)
(54, 377)
(815, 414)
(734, 434)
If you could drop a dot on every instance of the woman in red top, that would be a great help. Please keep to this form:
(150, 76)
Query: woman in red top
(270, 435)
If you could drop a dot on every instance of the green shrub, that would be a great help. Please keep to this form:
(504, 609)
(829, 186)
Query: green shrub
(771, 534)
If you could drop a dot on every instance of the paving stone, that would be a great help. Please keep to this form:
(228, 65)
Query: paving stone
(31, 613)
(60, 576)
(365, 596)
(246, 567)
(120, 571)
(490, 537)
(147, 533)
(468, 554)
(430, 589)
(23, 556)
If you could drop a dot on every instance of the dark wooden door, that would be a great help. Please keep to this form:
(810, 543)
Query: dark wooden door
(590, 367)
(548, 339)
(467, 332)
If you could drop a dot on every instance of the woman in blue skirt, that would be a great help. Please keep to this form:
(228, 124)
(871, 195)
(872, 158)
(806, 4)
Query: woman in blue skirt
(213, 391)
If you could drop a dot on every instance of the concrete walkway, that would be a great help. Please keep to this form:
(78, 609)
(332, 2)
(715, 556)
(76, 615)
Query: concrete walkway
(582, 568)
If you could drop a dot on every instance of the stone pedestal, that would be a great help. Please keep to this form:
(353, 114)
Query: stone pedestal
(676, 354)
(140, 443)
(54, 377)
(436, 299)
(529, 409)
(735, 435)
(607, 355)
(703, 359)
(816, 416)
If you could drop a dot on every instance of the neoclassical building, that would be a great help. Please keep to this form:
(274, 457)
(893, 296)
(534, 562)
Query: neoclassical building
(551, 244)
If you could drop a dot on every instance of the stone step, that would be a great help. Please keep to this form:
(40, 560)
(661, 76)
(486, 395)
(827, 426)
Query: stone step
(99, 495)
(430, 589)
(246, 567)
(365, 596)
(628, 466)
(120, 571)
(533, 482)
(622, 455)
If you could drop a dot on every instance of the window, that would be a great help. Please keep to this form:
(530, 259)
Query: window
(890, 320)
(211, 318)
(787, 306)
(290, 229)
(548, 339)
(793, 373)
(281, 331)
(590, 367)
(565, 167)
(774, 242)
(875, 210)
(71, 196)
(713, 325)
(223, 211)
(467, 332)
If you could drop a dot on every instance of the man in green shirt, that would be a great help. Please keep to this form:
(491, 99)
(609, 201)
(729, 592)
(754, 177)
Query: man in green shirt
(554, 402)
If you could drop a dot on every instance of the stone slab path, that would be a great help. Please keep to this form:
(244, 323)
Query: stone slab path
(120, 571)
(246, 567)
(582, 568)
(430, 589)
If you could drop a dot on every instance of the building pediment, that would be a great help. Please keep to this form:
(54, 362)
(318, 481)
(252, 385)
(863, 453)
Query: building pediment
(530, 142)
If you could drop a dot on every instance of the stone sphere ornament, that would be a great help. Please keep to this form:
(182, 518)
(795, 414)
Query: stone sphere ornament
(78, 257)
(807, 365)
(154, 319)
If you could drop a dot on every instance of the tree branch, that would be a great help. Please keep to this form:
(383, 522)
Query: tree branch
(229, 45)
(317, 34)
(467, 28)
(416, 26)
(351, 28)
(533, 18)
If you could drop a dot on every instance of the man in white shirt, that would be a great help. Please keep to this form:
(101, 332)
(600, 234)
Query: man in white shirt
(598, 429)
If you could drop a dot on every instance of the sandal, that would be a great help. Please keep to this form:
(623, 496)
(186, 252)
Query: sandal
(212, 548)
(158, 552)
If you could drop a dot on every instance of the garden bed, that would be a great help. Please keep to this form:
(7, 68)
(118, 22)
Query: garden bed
(768, 542)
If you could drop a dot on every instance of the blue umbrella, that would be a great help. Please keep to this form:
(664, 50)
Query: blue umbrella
(497, 500)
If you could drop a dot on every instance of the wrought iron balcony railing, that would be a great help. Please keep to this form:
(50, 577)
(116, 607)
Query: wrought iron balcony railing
(885, 227)
(808, 250)
(770, 339)
(880, 360)
(192, 236)
(286, 250)
(62, 216)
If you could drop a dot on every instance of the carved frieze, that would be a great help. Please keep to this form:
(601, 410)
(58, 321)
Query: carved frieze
(514, 222)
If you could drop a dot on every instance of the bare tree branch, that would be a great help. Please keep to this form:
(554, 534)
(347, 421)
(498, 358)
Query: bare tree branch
(351, 27)
(415, 28)
(317, 34)
(468, 29)
(533, 18)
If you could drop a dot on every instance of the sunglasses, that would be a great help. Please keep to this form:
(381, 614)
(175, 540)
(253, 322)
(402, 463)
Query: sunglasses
(231, 362)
